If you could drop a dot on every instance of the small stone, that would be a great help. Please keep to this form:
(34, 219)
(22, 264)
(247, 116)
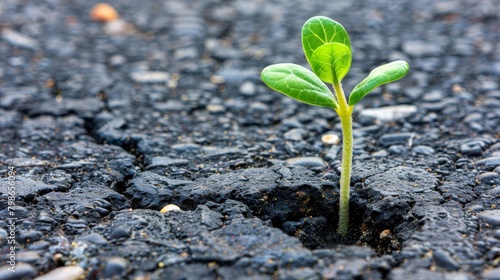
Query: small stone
(396, 138)
(477, 208)
(444, 260)
(419, 48)
(473, 117)
(216, 108)
(491, 274)
(423, 150)
(295, 134)
(390, 113)
(186, 53)
(170, 106)
(170, 207)
(491, 217)
(19, 40)
(149, 76)
(28, 257)
(93, 238)
(164, 162)
(103, 12)
(120, 232)
(118, 27)
(117, 60)
(63, 273)
(414, 92)
(115, 266)
(380, 154)
(258, 107)
(306, 162)
(3, 234)
(472, 147)
(41, 245)
(397, 149)
(186, 147)
(332, 153)
(433, 96)
(495, 191)
(330, 139)
(489, 163)
(247, 88)
(30, 236)
(385, 234)
(291, 123)
(238, 76)
(23, 271)
(497, 234)
(489, 178)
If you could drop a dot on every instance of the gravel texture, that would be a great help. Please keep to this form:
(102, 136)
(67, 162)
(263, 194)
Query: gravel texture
(105, 123)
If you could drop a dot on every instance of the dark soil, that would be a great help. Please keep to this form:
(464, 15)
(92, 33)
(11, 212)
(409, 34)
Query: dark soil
(104, 124)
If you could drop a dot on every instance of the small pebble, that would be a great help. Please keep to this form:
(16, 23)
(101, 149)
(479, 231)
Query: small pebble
(170, 207)
(63, 273)
(389, 113)
(477, 208)
(103, 12)
(444, 260)
(421, 48)
(489, 178)
(380, 154)
(23, 271)
(40, 245)
(306, 161)
(30, 236)
(497, 234)
(247, 88)
(330, 139)
(93, 238)
(491, 274)
(186, 147)
(433, 96)
(3, 234)
(396, 138)
(423, 150)
(216, 108)
(120, 232)
(165, 161)
(332, 153)
(295, 134)
(115, 266)
(495, 191)
(117, 60)
(490, 162)
(149, 76)
(30, 257)
(18, 39)
(491, 217)
(472, 147)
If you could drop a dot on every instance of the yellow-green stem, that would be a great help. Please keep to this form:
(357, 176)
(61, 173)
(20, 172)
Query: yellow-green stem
(345, 176)
(345, 114)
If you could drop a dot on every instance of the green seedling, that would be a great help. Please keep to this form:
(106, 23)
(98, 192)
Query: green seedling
(328, 50)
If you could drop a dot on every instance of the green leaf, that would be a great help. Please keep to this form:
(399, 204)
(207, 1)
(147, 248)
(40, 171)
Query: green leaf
(381, 75)
(320, 31)
(298, 83)
(331, 62)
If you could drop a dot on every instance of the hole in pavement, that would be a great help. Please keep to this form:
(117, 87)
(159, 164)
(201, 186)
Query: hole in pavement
(314, 219)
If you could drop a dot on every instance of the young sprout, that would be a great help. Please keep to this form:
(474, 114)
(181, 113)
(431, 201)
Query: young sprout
(328, 50)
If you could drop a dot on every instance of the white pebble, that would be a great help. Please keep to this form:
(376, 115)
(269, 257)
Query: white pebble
(170, 207)
(330, 139)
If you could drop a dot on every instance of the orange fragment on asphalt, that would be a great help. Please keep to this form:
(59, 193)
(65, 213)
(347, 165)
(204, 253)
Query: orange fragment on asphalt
(103, 12)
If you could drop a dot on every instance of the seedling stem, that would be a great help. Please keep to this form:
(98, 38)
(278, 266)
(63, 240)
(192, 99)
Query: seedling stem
(328, 51)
